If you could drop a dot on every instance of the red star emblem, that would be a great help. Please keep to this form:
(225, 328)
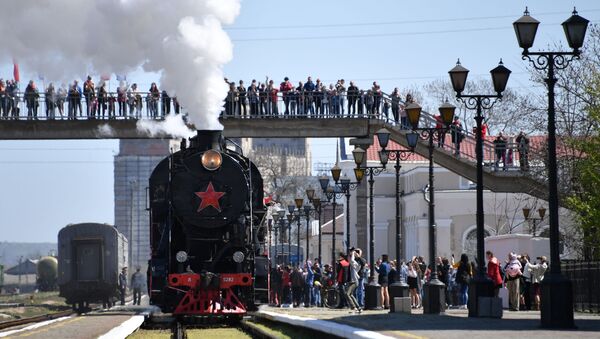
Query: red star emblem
(210, 197)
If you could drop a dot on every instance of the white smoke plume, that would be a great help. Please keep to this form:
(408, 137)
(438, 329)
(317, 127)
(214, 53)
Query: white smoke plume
(105, 130)
(173, 126)
(183, 40)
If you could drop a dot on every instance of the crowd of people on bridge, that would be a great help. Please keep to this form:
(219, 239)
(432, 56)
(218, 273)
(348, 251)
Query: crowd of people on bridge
(307, 99)
(314, 99)
(311, 284)
(65, 102)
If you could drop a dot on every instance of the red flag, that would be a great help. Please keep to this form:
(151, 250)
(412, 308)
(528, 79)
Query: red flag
(16, 71)
(105, 77)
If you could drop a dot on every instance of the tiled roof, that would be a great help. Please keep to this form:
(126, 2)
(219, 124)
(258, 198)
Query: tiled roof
(467, 148)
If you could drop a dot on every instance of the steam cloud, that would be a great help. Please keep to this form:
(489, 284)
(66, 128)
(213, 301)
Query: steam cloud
(183, 40)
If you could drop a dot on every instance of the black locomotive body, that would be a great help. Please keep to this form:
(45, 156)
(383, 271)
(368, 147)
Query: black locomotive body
(208, 250)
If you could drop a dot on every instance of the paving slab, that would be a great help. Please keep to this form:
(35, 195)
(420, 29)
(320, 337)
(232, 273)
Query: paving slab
(452, 324)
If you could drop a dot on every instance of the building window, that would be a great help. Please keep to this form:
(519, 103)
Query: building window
(470, 242)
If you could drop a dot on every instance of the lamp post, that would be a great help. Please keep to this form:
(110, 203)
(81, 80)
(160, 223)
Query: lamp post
(372, 290)
(281, 214)
(317, 208)
(307, 210)
(557, 297)
(400, 287)
(534, 220)
(297, 215)
(290, 218)
(332, 193)
(434, 297)
(481, 285)
(276, 227)
(347, 186)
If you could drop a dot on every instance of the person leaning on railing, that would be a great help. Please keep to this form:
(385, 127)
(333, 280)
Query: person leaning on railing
(31, 99)
(523, 147)
(50, 98)
(61, 96)
(122, 98)
(230, 101)
(3, 100)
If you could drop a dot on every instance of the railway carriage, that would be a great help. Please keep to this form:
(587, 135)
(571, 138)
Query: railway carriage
(90, 257)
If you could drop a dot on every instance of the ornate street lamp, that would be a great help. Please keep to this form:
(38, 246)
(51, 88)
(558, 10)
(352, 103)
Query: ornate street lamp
(481, 285)
(297, 215)
(307, 211)
(290, 218)
(534, 220)
(347, 186)
(372, 290)
(276, 227)
(557, 296)
(281, 214)
(434, 297)
(398, 288)
(317, 206)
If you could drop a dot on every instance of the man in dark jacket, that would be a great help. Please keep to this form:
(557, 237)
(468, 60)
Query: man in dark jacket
(352, 98)
(500, 148)
(123, 284)
(297, 284)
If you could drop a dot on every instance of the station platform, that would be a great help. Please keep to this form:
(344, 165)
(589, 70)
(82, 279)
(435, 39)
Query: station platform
(452, 324)
(117, 322)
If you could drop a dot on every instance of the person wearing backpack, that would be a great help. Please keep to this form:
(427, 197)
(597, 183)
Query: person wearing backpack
(463, 277)
(513, 276)
(493, 271)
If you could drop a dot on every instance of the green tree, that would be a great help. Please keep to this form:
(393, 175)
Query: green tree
(584, 199)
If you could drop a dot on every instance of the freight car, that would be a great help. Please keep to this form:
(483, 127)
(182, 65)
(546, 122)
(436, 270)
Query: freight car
(209, 256)
(90, 257)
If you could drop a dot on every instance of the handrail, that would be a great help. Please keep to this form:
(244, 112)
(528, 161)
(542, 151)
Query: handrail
(293, 105)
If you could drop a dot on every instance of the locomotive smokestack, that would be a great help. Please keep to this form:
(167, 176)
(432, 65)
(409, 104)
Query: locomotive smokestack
(205, 140)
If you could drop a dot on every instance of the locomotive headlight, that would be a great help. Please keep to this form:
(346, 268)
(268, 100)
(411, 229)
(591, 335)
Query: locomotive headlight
(212, 160)
(238, 257)
(181, 256)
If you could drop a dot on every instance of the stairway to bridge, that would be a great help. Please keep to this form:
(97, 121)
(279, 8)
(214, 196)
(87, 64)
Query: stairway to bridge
(497, 180)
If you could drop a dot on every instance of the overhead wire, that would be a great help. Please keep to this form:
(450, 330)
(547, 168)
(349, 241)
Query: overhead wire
(387, 23)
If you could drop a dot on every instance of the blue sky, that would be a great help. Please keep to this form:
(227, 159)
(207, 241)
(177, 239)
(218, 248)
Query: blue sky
(47, 184)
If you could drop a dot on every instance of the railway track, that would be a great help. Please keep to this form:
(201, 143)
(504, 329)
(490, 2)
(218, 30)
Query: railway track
(36, 319)
(180, 330)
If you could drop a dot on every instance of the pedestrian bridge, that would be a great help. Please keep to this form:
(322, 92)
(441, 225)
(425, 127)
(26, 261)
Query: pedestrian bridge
(299, 122)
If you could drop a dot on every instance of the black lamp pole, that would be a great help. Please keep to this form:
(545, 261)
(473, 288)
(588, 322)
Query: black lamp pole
(348, 186)
(372, 290)
(317, 205)
(557, 296)
(396, 155)
(290, 217)
(434, 296)
(332, 193)
(298, 215)
(274, 240)
(307, 211)
(482, 285)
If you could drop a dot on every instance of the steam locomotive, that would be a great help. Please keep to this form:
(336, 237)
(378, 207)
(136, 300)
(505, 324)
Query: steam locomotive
(209, 255)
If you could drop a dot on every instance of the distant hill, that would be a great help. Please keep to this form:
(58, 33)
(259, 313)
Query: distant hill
(10, 252)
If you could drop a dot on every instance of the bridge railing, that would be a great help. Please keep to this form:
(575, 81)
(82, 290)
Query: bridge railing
(295, 105)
